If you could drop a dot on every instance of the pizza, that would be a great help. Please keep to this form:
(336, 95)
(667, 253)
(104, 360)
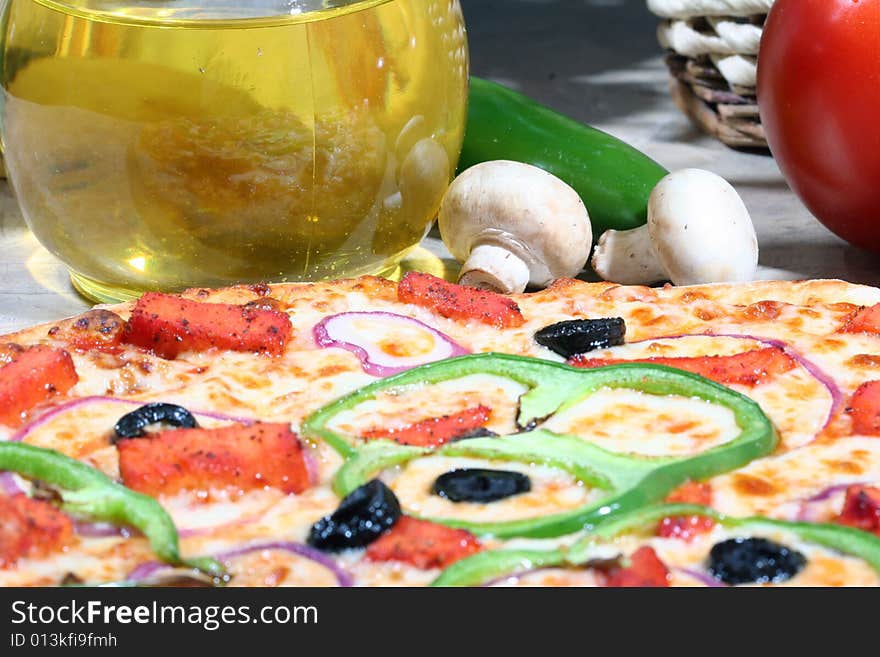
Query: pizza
(371, 433)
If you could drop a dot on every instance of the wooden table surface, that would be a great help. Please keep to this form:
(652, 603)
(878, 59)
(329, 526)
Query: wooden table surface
(595, 60)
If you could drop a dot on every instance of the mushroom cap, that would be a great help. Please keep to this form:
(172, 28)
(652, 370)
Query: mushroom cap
(701, 230)
(523, 209)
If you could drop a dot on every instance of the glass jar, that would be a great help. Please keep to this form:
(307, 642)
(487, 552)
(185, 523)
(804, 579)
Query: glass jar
(160, 144)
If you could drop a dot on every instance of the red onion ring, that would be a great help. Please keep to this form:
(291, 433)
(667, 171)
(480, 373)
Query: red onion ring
(311, 462)
(827, 381)
(337, 331)
(100, 530)
(9, 485)
(704, 578)
(87, 529)
(806, 510)
(344, 579)
(24, 431)
(145, 570)
(503, 578)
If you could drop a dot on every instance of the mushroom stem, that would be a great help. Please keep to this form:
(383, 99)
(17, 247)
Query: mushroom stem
(628, 257)
(699, 231)
(512, 225)
(494, 268)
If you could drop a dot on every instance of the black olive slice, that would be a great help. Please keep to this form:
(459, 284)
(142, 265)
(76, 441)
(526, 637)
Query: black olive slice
(133, 425)
(361, 518)
(754, 561)
(579, 336)
(482, 486)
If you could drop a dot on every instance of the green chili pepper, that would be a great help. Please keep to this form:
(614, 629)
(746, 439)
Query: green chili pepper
(486, 566)
(87, 492)
(613, 179)
(630, 482)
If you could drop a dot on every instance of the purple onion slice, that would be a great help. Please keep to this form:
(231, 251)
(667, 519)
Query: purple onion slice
(807, 510)
(704, 578)
(386, 343)
(150, 569)
(55, 411)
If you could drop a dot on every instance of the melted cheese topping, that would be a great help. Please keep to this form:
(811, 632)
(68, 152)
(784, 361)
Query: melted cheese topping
(400, 407)
(774, 486)
(552, 491)
(630, 421)
(278, 568)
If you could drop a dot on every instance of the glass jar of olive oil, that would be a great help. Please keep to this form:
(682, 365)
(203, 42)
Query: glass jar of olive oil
(165, 144)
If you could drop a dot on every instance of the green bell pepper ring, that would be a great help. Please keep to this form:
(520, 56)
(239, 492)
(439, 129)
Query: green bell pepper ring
(629, 482)
(87, 492)
(613, 179)
(486, 566)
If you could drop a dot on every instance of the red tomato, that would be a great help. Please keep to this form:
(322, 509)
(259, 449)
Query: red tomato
(819, 95)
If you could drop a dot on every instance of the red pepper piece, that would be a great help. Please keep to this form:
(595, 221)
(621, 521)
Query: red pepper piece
(645, 570)
(749, 368)
(30, 528)
(33, 376)
(170, 325)
(866, 320)
(423, 544)
(861, 509)
(459, 302)
(435, 431)
(865, 409)
(239, 456)
(687, 527)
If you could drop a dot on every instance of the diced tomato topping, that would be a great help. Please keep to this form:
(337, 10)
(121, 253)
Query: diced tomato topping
(436, 431)
(645, 570)
(687, 528)
(240, 457)
(33, 376)
(866, 320)
(170, 325)
(749, 368)
(459, 302)
(691, 492)
(423, 544)
(865, 409)
(861, 509)
(31, 528)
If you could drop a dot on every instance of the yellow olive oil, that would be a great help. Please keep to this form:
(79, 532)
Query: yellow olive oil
(164, 145)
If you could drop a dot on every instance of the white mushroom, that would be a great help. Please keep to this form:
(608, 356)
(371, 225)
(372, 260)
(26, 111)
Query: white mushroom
(513, 224)
(699, 231)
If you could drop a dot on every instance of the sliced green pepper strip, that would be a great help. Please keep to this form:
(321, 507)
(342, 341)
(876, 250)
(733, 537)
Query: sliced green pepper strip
(87, 492)
(630, 482)
(486, 566)
(373, 457)
(550, 384)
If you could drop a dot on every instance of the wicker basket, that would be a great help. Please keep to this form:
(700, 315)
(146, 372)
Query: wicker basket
(712, 60)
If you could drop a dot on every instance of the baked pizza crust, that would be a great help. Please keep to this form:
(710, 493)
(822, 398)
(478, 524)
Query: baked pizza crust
(804, 314)
(802, 293)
